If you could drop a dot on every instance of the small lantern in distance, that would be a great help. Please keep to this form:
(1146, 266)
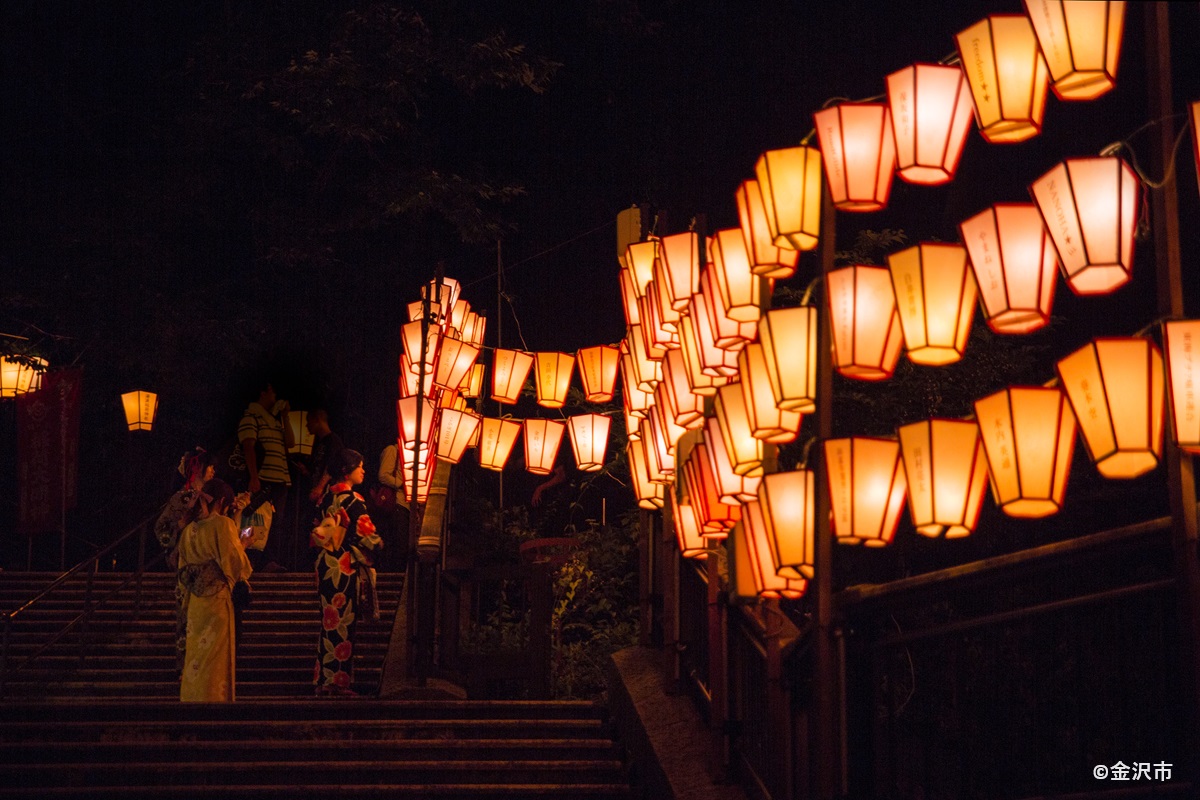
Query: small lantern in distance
(1008, 77)
(931, 116)
(141, 408)
(859, 151)
(1081, 42)
(1181, 340)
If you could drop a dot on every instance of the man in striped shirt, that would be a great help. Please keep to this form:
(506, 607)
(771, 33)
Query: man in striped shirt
(265, 439)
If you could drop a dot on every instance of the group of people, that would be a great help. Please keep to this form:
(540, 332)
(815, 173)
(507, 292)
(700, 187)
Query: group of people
(215, 540)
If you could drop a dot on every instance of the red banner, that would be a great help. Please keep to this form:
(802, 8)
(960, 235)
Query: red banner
(48, 452)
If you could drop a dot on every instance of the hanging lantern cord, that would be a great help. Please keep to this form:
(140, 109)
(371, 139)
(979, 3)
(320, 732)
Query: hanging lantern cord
(1169, 173)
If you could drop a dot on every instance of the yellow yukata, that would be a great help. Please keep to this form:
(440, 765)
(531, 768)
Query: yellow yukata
(211, 561)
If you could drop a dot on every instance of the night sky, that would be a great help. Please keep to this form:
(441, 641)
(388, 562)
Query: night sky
(143, 211)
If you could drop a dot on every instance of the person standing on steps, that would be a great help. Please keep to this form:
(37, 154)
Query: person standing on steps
(265, 438)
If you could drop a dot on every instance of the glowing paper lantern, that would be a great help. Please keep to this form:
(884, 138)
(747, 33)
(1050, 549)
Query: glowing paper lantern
(473, 328)
(931, 115)
(770, 584)
(589, 440)
(20, 376)
(410, 381)
(1181, 340)
(1008, 77)
(598, 371)
(472, 384)
(629, 299)
(413, 437)
(789, 181)
(553, 378)
(789, 341)
(1195, 109)
(650, 494)
(864, 321)
(542, 440)
(455, 360)
(859, 152)
(1081, 42)
(1014, 262)
(766, 259)
(458, 315)
(866, 489)
(411, 334)
(496, 440)
(680, 257)
(935, 296)
(442, 291)
(1090, 206)
(788, 500)
(732, 488)
(658, 335)
(767, 422)
(510, 368)
(641, 257)
(740, 290)
(647, 370)
(456, 430)
(687, 530)
(1115, 387)
(1029, 437)
(946, 471)
(715, 516)
(301, 438)
(717, 326)
(637, 401)
(140, 409)
(629, 230)
(744, 451)
(699, 380)
(685, 406)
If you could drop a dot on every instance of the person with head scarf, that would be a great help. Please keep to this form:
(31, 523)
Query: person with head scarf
(345, 539)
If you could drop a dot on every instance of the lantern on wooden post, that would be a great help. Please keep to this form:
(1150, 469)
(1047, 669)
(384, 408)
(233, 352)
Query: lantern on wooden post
(629, 299)
(456, 430)
(699, 380)
(410, 381)
(589, 440)
(637, 401)
(767, 421)
(20, 374)
(141, 408)
(788, 500)
(1014, 261)
(553, 378)
(1029, 437)
(789, 181)
(1008, 77)
(542, 439)
(859, 151)
(744, 451)
(867, 338)
(789, 341)
(510, 368)
(1081, 42)
(496, 440)
(716, 326)
(1090, 206)
(659, 334)
(935, 297)
(598, 371)
(866, 489)
(647, 370)
(931, 115)
(766, 258)
(740, 290)
(411, 334)
(407, 409)
(1115, 387)
(946, 472)
(455, 360)
(473, 328)
(1181, 340)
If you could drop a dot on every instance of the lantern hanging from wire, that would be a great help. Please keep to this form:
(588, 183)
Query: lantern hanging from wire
(455, 360)
(699, 379)
(1090, 207)
(411, 333)
(456, 431)
(510, 368)
(1081, 42)
(141, 408)
(496, 440)
(789, 340)
(716, 516)
(767, 421)
(680, 257)
(1115, 387)
(1007, 75)
(20, 375)
(740, 290)
(1181, 340)
(788, 503)
(410, 381)
(789, 181)
(657, 336)
(744, 451)
(768, 582)
(629, 299)
(946, 472)
(553, 378)
(598, 371)
(685, 406)
(1029, 437)
(687, 530)
(589, 440)
(472, 383)
(721, 329)
(866, 489)
(415, 434)
(636, 400)
(1014, 264)
(641, 258)
(865, 324)
(731, 487)
(650, 495)
(542, 440)
(859, 153)
(766, 258)
(935, 297)
(931, 115)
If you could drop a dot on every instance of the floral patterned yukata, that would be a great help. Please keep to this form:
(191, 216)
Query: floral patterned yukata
(337, 587)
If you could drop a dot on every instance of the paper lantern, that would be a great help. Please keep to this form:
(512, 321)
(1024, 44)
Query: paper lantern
(699, 380)
(715, 326)
(687, 530)
(660, 459)
(859, 153)
(411, 334)
(680, 257)
(744, 451)
(1081, 42)
(767, 421)
(685, 406)
(665, 314)
(1008, 77)
(647, 370)
(458, 315)
(410, 381)
(472, 383)
(1195, 114)
(141, 408)
(302, 440)
(496, 440)
(1090, 206)
(510, 368)
(766, 259)
(1115, 387)
(455, 359)
(1013, 261)
(598, 371)
(789, 181)
(788, 502)
(456, 430)
(864, 322)
(866, 489)
(442, 291)
(553, 375)
(1029, 437)
(636, 400)
(931, 115)
(629, 230)
(589, 440)
(935, 297)
(542, 440)
(416, 311)
(789, 341)
(415, 434)
(670, 430)
(641, 257)
(768, 582)
(629, 299)
(715, 516)
(740, 290)
(20, 375)
(1181, 340)
(657, 335)
(732, 488)
(650, 495)
(473, 328)
(946, 472)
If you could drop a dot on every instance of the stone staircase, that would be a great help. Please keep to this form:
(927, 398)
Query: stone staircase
(97, 715)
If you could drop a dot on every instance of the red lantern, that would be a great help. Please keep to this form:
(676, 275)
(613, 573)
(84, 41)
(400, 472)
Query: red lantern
(866, 489)
(1014, 263)
(935, 296)
(454, 362)
(496, 440)
(413, 437)
(1081, 42)
(589, 440)
(680, 257)
(411, 333)
(788, 500)
(685, 406)
(1181, 340)
(946, 472)
(598, 371)
(865, 323)
(859, 153)
(510, 368)
(456, 431)
(542, 440)
(1008, 77)
(931, 116)
(766, 259)
(716, 517)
